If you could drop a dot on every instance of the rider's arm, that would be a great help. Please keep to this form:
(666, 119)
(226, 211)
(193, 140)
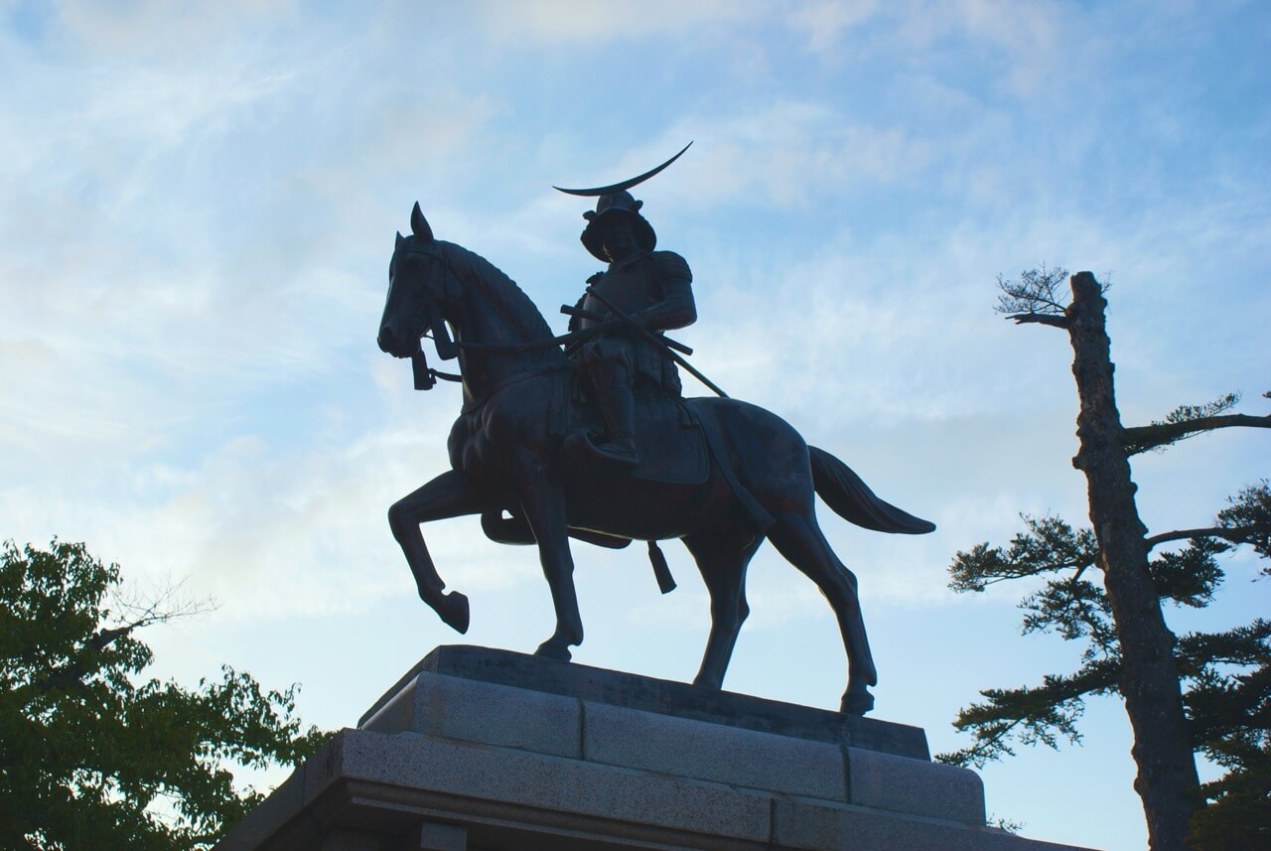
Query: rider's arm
(676, 309)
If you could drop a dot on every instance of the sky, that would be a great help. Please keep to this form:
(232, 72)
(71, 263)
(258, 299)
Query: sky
(200, 203)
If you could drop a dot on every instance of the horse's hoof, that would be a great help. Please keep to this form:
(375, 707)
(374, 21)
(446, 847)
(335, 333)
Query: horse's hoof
(856, 703)
(454, 611)
(549, 650)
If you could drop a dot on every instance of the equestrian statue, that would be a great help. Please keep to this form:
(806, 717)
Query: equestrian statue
(587, 435)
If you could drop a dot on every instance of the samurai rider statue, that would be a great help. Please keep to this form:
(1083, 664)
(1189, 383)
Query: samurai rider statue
(641, 294)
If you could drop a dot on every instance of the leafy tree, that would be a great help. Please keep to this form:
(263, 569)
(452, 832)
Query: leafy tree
(93, 756)
(1206, 692)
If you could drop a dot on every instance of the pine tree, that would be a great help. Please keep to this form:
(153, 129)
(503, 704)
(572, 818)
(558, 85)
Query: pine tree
(1204, 692)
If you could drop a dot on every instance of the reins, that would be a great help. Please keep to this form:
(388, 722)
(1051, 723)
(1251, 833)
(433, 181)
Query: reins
(517, 348)
(425, 376)
(506, 348)
(497, 348)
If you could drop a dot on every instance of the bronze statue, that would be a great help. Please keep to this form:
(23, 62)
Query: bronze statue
(719, 474)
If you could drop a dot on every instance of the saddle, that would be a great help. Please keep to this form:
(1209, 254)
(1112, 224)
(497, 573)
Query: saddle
(669, 438)
(675, 447)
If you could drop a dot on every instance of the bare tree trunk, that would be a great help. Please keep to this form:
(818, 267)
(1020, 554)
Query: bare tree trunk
(1167, 782)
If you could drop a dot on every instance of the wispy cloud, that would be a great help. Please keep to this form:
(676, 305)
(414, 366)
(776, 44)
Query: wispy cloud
(546, 22)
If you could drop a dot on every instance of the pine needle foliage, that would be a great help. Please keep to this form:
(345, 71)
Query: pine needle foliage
(1199, 693)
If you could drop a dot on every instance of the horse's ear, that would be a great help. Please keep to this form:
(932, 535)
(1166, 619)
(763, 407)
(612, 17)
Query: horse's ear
(419, 225)
(400, 240)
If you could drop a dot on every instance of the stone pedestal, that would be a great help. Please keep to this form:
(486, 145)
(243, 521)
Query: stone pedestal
(487, 750)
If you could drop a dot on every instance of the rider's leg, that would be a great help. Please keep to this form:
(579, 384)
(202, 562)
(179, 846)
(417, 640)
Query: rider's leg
(609, 367)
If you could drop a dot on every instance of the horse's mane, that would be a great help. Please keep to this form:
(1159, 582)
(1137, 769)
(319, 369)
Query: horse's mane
(517, 305)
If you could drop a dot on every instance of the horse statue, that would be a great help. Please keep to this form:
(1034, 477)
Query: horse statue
(506, 456)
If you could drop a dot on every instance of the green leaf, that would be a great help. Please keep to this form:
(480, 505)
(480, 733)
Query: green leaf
(92, 756)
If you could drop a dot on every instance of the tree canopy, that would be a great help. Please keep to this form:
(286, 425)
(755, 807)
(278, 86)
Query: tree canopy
(94, 755)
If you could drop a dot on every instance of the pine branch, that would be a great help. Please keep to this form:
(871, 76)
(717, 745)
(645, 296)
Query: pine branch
(1035, 291)
(1040, 319)
(1235, 534)
(1187, 421)
(1075, 609)
(1250, 511)
(1031, 715)
(1243, 646)
(1143, 438)
(1191, 575)
(1049, 545)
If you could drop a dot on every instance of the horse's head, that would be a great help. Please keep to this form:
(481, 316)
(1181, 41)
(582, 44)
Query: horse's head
(422, 291)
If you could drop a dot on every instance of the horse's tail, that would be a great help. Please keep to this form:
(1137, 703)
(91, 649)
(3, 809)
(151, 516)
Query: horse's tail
(851, 498)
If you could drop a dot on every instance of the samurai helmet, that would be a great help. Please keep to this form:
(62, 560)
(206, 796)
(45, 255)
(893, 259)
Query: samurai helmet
(609, 207)
(615, 200)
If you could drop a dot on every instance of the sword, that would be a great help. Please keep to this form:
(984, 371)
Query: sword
(583, 313)
(663, 345)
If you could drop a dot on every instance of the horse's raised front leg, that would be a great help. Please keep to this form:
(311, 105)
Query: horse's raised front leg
(543, 501)
(448, 495)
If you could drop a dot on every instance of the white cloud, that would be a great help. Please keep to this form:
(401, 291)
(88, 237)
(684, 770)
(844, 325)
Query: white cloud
(579, 21)
(826, 21)
(150, 29)
(792, 154)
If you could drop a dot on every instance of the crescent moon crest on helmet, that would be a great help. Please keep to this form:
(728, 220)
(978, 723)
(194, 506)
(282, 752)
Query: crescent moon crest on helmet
(623, 185)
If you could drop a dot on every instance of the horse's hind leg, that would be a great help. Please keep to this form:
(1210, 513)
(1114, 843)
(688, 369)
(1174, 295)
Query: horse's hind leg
(722, 561)
(799, 539)
(448, 495)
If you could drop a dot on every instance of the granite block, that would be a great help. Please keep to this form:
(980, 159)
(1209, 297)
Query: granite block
(271, 815)
(695, 749)
(475, 711)
(351, 840)
(665, 697)
(912, 786)
(441, 837)
(527, 780)
(819, 826)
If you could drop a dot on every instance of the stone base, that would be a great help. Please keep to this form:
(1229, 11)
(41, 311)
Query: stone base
(486, 750)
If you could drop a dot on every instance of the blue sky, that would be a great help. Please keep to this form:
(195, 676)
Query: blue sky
(200, 205)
